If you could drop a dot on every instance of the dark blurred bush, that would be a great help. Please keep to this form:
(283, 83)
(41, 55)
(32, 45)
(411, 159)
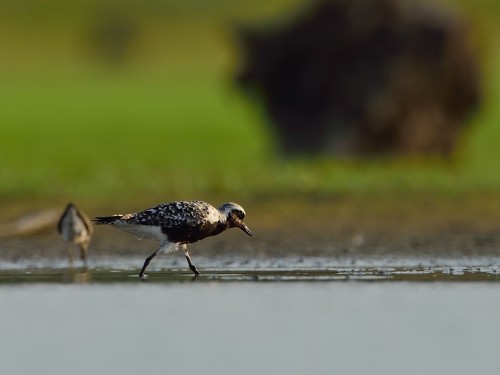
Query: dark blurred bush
(353, 77)
(112, 32)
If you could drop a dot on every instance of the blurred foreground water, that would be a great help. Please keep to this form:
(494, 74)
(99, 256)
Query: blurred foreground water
(250, 328)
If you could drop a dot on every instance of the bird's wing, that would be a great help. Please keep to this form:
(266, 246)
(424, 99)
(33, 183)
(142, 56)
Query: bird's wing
(86, 221)
(174, 214)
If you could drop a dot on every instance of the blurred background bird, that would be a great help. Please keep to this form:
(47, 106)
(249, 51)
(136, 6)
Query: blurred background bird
(76, 228)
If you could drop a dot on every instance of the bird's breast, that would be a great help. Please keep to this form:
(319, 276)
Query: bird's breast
(190, 234)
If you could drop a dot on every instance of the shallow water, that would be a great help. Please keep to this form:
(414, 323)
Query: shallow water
(401, 317)
(166, 270)
(100, 276)
(249, 328)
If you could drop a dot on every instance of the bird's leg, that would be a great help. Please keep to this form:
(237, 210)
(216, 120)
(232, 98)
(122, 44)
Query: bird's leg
(83, 254)
(70, 255)
(165, 246)
(146, 262)
(192, 267)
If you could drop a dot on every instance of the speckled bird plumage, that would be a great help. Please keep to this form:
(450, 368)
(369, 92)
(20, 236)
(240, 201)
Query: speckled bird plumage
(174, 215)
(178, 223)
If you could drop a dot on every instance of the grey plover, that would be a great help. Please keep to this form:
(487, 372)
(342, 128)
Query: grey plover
(176, 224)
(76, 228)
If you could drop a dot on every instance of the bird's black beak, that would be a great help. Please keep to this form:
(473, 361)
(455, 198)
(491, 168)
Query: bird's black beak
(244, 228)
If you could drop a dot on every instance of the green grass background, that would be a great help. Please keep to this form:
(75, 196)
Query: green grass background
(170, 123)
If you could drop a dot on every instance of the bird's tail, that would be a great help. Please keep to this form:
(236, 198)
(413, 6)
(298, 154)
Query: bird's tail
(107, 219)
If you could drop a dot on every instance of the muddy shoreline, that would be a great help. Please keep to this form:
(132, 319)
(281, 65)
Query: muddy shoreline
(343, 227)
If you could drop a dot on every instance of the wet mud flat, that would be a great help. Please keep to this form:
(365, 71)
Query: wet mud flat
(117, 258)
(422, 238)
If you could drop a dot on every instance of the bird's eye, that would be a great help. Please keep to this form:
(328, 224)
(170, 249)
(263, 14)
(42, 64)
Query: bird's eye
(239, 214)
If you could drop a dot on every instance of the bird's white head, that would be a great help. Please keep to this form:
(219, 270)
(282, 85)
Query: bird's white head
(235, 214)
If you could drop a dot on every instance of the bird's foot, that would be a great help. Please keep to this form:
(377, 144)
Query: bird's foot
(194, 269)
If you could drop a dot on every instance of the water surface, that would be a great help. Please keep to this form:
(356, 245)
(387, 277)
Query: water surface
(247, 322)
